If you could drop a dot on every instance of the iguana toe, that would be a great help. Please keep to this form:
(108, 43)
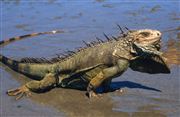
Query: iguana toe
(19, 92)
(92, 94)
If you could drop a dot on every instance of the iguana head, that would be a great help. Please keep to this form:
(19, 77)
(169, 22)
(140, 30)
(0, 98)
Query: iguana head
(145, 42)
(146, 46)
(146, 38)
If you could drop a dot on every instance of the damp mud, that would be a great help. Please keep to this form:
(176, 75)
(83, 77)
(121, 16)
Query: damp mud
(144, 95)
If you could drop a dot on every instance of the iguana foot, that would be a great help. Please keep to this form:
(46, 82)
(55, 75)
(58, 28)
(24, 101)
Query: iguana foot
(93, 94)
(19, 92)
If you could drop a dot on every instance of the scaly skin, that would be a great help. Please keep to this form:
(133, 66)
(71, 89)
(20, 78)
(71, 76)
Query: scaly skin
(89, 67)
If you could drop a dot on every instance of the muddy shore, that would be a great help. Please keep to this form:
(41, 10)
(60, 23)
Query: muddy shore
(150, 95)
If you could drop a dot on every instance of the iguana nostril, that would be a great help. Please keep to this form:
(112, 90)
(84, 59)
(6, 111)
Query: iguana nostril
(158, 34)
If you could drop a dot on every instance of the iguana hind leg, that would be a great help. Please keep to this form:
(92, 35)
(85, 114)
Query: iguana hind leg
(47, 82)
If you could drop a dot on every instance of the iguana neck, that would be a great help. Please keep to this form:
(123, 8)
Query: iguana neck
(122, 49)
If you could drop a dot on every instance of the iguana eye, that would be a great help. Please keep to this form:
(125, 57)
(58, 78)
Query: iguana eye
(145, 34)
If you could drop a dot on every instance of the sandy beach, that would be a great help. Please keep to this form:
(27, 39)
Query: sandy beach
(144, 95)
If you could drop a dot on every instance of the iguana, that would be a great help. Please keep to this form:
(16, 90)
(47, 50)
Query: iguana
(92, 66)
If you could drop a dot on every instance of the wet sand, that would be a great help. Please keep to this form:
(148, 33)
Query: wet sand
(144, 95)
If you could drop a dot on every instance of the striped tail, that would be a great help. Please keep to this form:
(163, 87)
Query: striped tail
(9, 62)
(13, 64)
(7, 41)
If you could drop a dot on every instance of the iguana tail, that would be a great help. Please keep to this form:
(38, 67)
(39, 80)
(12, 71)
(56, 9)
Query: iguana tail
(7, 41)
(13, 64)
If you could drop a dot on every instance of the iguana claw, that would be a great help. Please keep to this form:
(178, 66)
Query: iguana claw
(19, 92)
(90, 91)
(93, 94)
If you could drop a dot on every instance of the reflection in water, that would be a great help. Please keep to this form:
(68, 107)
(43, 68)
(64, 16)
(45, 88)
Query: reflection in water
(129, 84)
(172, 53)
(155, 8)
(21, 26)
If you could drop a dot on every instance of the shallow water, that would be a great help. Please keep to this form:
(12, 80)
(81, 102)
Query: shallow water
(147, 95)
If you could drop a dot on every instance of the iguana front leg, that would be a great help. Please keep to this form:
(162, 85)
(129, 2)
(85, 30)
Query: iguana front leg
(106, 74)
(47, 82)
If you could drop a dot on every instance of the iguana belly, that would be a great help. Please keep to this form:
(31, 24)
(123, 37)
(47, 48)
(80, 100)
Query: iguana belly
(81, 80)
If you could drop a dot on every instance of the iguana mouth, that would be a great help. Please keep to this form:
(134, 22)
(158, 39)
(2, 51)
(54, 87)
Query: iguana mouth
(157, 44)
(153, 43)
(155, 40)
